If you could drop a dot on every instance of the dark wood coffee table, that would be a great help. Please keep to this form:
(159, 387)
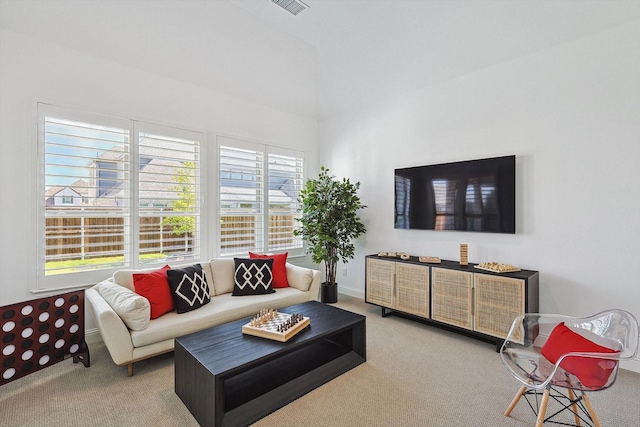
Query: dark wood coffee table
(229, 379)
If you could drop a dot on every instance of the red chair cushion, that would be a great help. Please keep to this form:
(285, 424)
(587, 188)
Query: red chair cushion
(154, 286)
(279, 268)
(592, 372)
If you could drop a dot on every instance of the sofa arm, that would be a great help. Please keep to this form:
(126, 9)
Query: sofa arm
(314, 288)
(305, 279)
(114, 332)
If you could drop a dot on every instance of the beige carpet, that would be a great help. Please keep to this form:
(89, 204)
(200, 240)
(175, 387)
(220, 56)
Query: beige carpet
(415, 375)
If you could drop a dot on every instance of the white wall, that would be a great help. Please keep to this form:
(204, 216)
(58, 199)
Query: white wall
(32, 70)
(571, 115)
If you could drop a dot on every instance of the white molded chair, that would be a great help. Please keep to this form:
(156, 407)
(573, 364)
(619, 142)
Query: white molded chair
(581, 355)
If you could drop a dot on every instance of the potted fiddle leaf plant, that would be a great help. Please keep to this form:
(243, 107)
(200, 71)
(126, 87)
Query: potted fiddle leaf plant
(329, 223)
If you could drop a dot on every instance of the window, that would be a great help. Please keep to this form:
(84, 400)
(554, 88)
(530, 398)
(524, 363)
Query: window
(168, 197)
(259, 188)
(111, 215)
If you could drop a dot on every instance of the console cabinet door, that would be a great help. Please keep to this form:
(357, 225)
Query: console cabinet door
(452, 297)
(499, 300)
(380, 282)
(412, 294)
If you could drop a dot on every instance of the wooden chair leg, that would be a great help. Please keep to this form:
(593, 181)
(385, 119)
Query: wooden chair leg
(130, 369)
(543, 407)
(592, 412)
(574, 407)
(515, 400)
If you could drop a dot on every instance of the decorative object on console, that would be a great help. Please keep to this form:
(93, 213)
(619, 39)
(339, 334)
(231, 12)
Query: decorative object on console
(496, 267)
(430, 259)
(329, 223)
(189, 288)
(402, 255)
(276, 326)
(388, 254)
(464, 254)
(253, 276)
(41, 332)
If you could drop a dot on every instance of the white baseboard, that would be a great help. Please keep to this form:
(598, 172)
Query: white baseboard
(92, 336)
(632, 365)
(351, 292)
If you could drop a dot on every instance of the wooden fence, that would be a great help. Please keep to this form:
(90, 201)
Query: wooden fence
(91, 237)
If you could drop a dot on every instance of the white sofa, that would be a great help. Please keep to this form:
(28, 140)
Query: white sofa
(131, 336)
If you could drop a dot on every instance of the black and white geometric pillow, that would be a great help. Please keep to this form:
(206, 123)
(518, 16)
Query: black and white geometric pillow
(189, 288)
(253, 276)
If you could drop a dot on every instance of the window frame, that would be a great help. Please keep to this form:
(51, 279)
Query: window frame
(208, 197)
(266, 150)
(77, 279)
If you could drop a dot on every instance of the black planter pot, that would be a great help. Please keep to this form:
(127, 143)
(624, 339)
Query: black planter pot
(328, 293)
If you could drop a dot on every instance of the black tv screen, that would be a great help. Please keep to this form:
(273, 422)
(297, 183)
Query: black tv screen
(474, 195)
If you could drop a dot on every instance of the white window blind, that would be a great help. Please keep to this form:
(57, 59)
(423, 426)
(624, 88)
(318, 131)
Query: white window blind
(259, 188)
(241, 200)
(285, 183)
(117, 193)
(168, 197)
(86, 187)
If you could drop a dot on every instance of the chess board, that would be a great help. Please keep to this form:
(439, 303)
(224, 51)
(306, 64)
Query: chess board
(496, 267)
(269, 328)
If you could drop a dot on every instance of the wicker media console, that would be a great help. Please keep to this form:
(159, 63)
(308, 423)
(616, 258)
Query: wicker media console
(460, 298)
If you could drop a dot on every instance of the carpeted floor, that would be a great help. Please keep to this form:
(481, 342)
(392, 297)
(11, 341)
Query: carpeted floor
(415, 375)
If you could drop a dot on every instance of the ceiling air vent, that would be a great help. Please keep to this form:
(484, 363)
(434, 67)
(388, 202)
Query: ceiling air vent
(291, 6)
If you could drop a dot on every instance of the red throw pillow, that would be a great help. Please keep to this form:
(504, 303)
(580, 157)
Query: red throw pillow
(279, 268)
(592, 372)
(154, 286)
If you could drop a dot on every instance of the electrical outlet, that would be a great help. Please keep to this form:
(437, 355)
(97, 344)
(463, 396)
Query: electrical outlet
(344, 271)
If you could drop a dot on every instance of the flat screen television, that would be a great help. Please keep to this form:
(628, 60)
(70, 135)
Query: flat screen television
(474, 195)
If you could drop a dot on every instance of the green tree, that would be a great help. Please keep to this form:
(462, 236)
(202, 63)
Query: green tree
(186, 202)
(330, 220)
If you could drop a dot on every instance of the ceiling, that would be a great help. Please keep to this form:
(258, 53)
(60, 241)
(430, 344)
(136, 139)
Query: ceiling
(336, 56)
(369, 50)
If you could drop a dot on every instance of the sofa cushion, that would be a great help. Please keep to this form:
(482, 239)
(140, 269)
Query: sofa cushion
(154, 286)
(189, 288)
(222, 272)
(299, 277)
(133, 309)
(253, 276)
(206, 269)
(124, 277)
(279, 268)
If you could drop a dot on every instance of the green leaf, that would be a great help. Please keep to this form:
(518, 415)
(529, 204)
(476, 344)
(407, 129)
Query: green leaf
(329, 220)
